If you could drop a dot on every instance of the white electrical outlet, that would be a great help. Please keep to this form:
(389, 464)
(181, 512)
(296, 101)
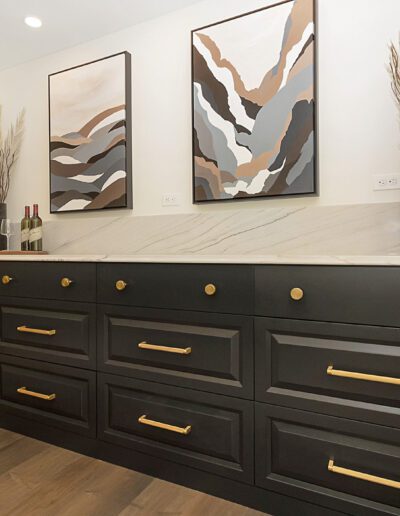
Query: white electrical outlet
(386, 181)
(170, 199)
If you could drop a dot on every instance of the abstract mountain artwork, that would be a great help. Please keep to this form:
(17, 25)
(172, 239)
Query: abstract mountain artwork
(90, 144)
(254, 104)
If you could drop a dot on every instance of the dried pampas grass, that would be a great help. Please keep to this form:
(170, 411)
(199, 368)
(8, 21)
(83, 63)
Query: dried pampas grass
(394, 70)
(10, 148)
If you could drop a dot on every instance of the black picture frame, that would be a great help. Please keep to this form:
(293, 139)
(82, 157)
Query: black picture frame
(316, 191)
(128, 121)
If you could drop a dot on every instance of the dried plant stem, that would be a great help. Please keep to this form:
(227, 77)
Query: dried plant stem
(9, 151)
(394, 70)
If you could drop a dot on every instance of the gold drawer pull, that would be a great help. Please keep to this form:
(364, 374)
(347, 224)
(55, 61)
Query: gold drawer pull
(46, 397)
(121, 285)
(362, 376)
(25, 329)
(6, 280)
(66, 282)
(210, 289)
(297, 294)
(171, 428)
(362, 476)
(166, 349)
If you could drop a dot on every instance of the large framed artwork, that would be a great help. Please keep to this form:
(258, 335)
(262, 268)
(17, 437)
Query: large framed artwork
(90, 136)
(254, 98)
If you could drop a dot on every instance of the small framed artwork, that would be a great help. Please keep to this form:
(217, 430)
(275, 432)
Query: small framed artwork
(90, 136)
(254, 104)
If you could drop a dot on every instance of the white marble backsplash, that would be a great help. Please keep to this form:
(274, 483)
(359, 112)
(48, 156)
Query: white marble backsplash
(365, 229)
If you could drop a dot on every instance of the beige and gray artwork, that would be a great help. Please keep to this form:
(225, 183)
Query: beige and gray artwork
(254, 105)
(88, 166)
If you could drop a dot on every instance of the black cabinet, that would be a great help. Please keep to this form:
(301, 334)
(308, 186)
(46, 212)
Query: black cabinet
(44, 280)
(202, 430)
(61, 396)
(349, 466)
(55, 331)
(274, 386)
(340, 369)
(205, 351)
(357, 295)
(210, 288)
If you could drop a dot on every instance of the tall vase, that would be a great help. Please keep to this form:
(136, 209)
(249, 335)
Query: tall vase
(3, 215)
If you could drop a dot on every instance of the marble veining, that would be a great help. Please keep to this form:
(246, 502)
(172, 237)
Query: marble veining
(349, 234)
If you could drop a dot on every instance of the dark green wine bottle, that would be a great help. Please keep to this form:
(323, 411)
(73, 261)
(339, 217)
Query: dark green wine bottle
(25, 229)
(35, 233)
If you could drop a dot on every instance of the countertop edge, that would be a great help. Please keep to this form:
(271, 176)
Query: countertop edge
(344, 260)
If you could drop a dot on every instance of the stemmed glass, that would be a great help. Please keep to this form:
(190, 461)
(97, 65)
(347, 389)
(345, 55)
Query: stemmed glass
(6, 230)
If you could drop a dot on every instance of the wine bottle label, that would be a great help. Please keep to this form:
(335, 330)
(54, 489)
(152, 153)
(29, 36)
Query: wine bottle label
(35, 234)
(25, 235)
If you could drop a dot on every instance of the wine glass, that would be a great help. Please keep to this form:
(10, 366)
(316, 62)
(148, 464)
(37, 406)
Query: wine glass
(6, 230)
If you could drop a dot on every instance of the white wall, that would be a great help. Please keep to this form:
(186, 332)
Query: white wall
(358, 126)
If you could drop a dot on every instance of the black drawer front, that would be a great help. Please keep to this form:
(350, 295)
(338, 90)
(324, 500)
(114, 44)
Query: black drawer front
(337, 369)
(71, 393)
(211, 352)
(220, 437)
(67, 332)
(294, 450)
(178, 286)
(43, 280)
(359, 295)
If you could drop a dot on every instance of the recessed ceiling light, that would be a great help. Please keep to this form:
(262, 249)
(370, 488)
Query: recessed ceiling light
(33, 21)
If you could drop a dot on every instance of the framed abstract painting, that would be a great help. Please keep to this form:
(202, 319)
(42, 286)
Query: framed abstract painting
(90, 136)
(254, 104)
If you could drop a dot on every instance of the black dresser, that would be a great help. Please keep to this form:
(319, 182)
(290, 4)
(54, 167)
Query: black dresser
(277, 387)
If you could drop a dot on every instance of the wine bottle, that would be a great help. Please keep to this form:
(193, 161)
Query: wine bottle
(35, 233)
(25, 228)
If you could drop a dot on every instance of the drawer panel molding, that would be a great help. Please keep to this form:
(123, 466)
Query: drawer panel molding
(209, 352)
(206, 431)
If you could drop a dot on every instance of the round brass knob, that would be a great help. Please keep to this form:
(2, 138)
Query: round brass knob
(296, 294)
(120, 285)
(210, 289)
(6, 280)
(66, 282)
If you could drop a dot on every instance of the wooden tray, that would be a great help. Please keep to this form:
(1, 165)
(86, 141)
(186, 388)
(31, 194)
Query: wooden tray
(23, 252)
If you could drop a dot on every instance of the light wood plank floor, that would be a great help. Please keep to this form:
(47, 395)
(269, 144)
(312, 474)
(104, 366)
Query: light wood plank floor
(37, 479)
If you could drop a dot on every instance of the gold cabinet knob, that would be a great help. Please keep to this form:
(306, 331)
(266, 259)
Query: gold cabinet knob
(66, 282)
(296, 294)
(6, 280)
(121, 285)
(210, 289)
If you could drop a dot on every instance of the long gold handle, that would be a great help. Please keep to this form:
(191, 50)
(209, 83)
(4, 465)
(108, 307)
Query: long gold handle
(6, 279)
(362, 476)
(164, 426)
(46, 397)
(25, 329)
(362, 376)
(166, 349)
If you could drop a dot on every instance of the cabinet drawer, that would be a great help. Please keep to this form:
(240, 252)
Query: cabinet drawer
(43, 280)
(211, 352)
(340, 369)
(63, 333)
(60, 396)
(178, 286)
(299, 454)
(358, 295)
(205, 431)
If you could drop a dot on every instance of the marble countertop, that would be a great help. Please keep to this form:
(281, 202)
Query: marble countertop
(389, 260)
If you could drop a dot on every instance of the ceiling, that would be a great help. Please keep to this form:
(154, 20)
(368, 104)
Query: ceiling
(68, 23)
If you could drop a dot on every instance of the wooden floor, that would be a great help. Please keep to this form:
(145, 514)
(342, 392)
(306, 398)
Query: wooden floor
(37, 479)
